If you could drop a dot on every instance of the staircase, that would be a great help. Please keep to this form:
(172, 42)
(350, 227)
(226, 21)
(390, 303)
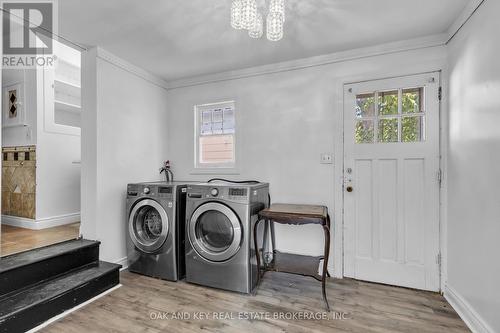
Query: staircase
(40, 284)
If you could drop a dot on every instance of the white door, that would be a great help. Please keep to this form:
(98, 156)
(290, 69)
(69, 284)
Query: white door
(391, 181)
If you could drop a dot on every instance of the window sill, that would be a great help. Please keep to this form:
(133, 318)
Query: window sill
(215, 171)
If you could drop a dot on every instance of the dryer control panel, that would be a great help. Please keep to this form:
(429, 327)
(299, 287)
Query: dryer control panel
(241, 194)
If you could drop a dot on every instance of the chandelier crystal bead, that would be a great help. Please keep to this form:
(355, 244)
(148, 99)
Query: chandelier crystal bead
(236, 12)
(258, 28)
(274, 26)
(245, 15)
(277, 6)
(248, 13)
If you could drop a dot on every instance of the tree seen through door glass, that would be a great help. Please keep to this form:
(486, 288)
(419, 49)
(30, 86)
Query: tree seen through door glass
(388, 103)
(364, 132)
(365, 105)
(412, 129)
(388, 130)
(412, 100)
(395, 121)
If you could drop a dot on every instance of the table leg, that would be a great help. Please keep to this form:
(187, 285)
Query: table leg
(273, 237)
(326, 229)
(256, 251)
(264, 242)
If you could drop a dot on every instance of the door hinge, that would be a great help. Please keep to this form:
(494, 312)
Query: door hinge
(440, 93)
(440, 176)
(438, 259)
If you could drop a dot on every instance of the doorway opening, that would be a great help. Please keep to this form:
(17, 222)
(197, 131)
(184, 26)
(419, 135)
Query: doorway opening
(41, 152)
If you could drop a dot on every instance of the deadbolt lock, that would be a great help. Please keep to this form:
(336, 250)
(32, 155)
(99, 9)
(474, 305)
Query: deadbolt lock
(349, 189)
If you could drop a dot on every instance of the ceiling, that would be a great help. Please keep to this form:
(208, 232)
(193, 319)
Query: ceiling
(183, 38)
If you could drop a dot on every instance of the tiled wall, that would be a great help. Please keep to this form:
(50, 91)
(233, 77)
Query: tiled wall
(19, 181)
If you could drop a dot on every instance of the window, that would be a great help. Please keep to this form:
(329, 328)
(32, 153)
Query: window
(215, 135)
(390, 116)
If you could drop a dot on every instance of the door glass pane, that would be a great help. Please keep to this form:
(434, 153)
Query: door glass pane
(365, 105)
(388, 130)
(412, 100)
(215, 230)
(364, 131)
(412, 129)
(388, 102)
(148, 224)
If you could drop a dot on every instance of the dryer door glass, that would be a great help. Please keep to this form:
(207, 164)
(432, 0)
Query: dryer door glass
(148, 225)
(215, 231)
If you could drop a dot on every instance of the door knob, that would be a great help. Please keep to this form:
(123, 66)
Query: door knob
(349, 189)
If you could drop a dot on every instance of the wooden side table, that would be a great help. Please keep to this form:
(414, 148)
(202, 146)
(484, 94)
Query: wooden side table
(293, 263)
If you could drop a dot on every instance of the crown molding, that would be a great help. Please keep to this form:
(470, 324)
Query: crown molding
(133, 69)
(467, 12)
(388, 48)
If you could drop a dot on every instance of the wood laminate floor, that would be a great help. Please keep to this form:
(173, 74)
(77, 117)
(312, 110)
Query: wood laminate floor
(144, 304)
(14, 239)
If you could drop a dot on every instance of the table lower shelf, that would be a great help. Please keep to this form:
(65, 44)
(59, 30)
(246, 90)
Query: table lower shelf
(295, 264)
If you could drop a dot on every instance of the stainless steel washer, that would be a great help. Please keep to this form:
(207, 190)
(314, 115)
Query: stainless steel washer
(219, 244)
(155, 229)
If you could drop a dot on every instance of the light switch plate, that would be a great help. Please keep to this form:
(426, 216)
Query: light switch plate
(326, 158)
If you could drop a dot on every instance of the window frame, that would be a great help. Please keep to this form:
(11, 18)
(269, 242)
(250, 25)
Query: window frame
(226, 167)
(400, 115)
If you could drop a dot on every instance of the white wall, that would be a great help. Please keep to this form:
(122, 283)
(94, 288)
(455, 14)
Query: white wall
(284, 121)
(124, 140)
(22, 135)
(474, 159)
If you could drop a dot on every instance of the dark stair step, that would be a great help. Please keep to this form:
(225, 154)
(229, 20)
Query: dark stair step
(24, 269)
(32, 306)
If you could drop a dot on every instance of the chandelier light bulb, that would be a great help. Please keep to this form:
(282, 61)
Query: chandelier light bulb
(274, 26)
(277, 6)
(258, 28)
(248, 13)
(236, 12)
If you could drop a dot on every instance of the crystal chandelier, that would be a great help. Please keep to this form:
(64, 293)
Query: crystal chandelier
(245, 15)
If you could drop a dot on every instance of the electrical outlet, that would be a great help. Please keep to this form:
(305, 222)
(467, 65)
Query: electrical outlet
(326, 158)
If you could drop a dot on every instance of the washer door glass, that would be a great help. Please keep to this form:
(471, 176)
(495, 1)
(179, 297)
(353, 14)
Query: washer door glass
(215, 232)
(148, 225)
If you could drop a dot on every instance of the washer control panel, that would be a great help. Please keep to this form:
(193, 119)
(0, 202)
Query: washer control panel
(149, 190)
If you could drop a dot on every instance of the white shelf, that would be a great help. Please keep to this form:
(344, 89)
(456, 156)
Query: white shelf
(67, 107)
(68, 72)
(67, 83)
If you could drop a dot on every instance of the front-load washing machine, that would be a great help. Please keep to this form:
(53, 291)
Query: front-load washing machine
(220, 250)
(155, 229)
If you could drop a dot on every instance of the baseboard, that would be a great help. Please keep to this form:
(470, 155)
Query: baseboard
(473, 320)
(43, 223)
(123, 262)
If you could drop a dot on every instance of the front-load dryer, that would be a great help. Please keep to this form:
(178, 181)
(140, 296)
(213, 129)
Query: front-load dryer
(220, 250)
(155, 229)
